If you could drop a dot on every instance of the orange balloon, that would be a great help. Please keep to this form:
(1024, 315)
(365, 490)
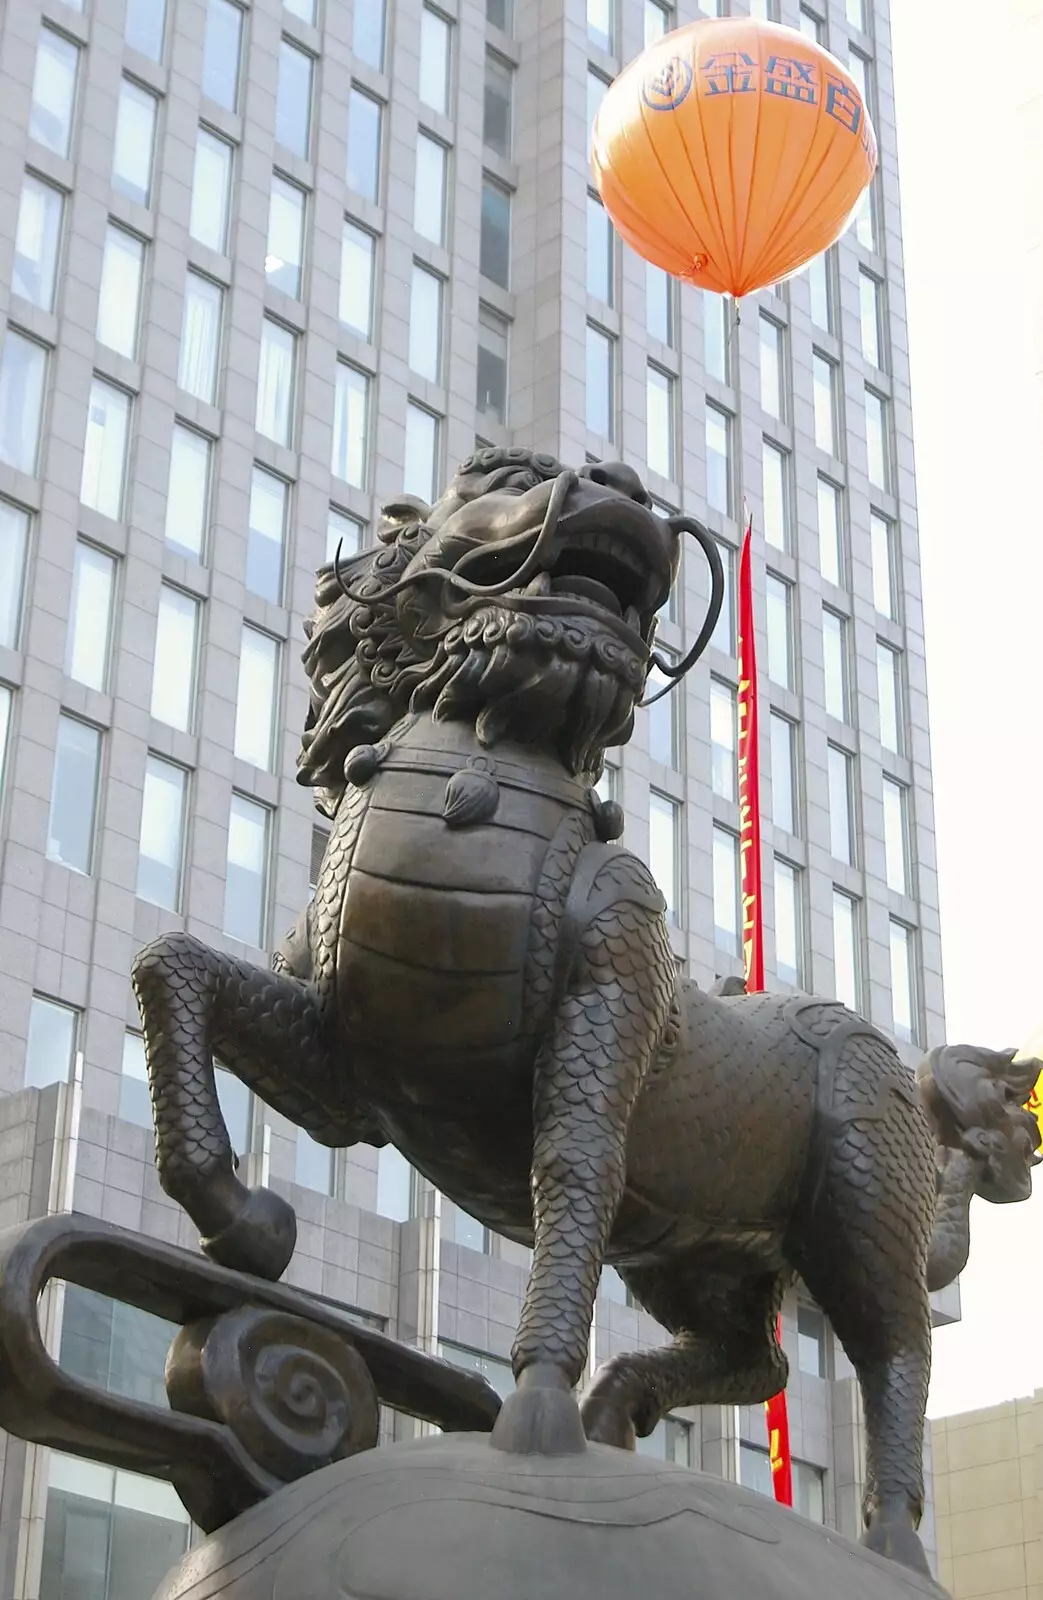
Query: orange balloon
(732, 151)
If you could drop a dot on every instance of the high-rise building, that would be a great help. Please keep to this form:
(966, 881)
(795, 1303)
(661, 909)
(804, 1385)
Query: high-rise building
(268, 265)
(988, 1477)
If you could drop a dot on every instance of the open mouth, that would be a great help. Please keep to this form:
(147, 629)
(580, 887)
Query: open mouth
(601, 567)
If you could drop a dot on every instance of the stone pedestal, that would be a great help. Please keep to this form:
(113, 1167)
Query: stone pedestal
(451, 1518)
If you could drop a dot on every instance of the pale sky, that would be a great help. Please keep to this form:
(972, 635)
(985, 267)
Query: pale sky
(971, 206)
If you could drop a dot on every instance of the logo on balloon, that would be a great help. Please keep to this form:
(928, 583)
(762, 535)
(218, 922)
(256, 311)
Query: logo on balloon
(664, 90)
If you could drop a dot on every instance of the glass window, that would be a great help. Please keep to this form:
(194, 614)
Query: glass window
(718, 460)
(305, 9)
(247, 871)
(809, 1491)
(780, 632)
(841, 833)
(5, 728)
(494, 250)
(493, 334)
(313, 1164)
(357, 251)
(284, 259)
(860, 70)
(90, 616)
(425, 323)
(293, 99)
(772, 368)
(395, 1185)
(597, 88)
(105, 449)
(834, 664)
(755, 1470)
(37, 242)
(846, 963)
(266, 537)
(200, 337)
(865, 219)
(878, 443)
(820, 280)
(368, 32)
(896, 833)
(135, 1100)
(119, 297)
(601, 388)
(236, 1109)
(135, 142)
(670, 1440)
(789, 921)
(658, 21)
(885, 588)
(611, 1287)
(664, 852)
(600, 251)
(726, 891)
(811, 26)
(74, 794)
(23, 376)
(364, 133)
(724, 630)
(14, 545)
(659, 298)
(275, 382)
(660, 422)
(162, 834)
(319, 840)
(903, 989)
(497, 121)
(343, 531)
(256, 698)
(497, 1373)
(824, 374)
(812, 1342)
(435, 61)
(662, 722)
(466, 1230)
(421, 462)
(222, 49)
(889, 690)
(601, 29)
(776, 495)
(830, 531)
(144, 27)
(350, 425)
(715, 335)
(783, 774)
(174, 662)
(722, 739)
(429, 193)
(54, 92)
(51, 1045)
(500, 14)
(870, 311)
(856, 14)
(188, 491)
(211, 191)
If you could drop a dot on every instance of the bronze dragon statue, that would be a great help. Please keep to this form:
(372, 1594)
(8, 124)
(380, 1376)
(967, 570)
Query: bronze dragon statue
(484, 978)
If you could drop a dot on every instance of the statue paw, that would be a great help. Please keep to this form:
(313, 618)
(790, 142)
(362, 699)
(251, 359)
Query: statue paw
(539, 1421)
(261, 1238)
(608, 1422)
(896, 1540)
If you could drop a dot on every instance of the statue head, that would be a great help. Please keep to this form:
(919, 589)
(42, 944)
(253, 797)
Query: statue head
(524, 601)
(976, 1102)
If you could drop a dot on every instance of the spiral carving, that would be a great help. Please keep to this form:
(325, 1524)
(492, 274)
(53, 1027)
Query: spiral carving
(296, 1396)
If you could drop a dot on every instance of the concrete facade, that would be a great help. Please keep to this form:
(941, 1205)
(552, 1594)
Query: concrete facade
(988, 1484)
(159, 347)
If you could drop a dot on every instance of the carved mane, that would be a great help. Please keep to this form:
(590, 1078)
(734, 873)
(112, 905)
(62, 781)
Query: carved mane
(360, 668)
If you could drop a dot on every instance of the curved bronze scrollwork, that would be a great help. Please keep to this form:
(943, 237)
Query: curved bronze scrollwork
(266, 1383)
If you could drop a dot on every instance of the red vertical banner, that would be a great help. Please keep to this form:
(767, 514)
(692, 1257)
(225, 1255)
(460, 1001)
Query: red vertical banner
(750, 881)
(749, 781)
